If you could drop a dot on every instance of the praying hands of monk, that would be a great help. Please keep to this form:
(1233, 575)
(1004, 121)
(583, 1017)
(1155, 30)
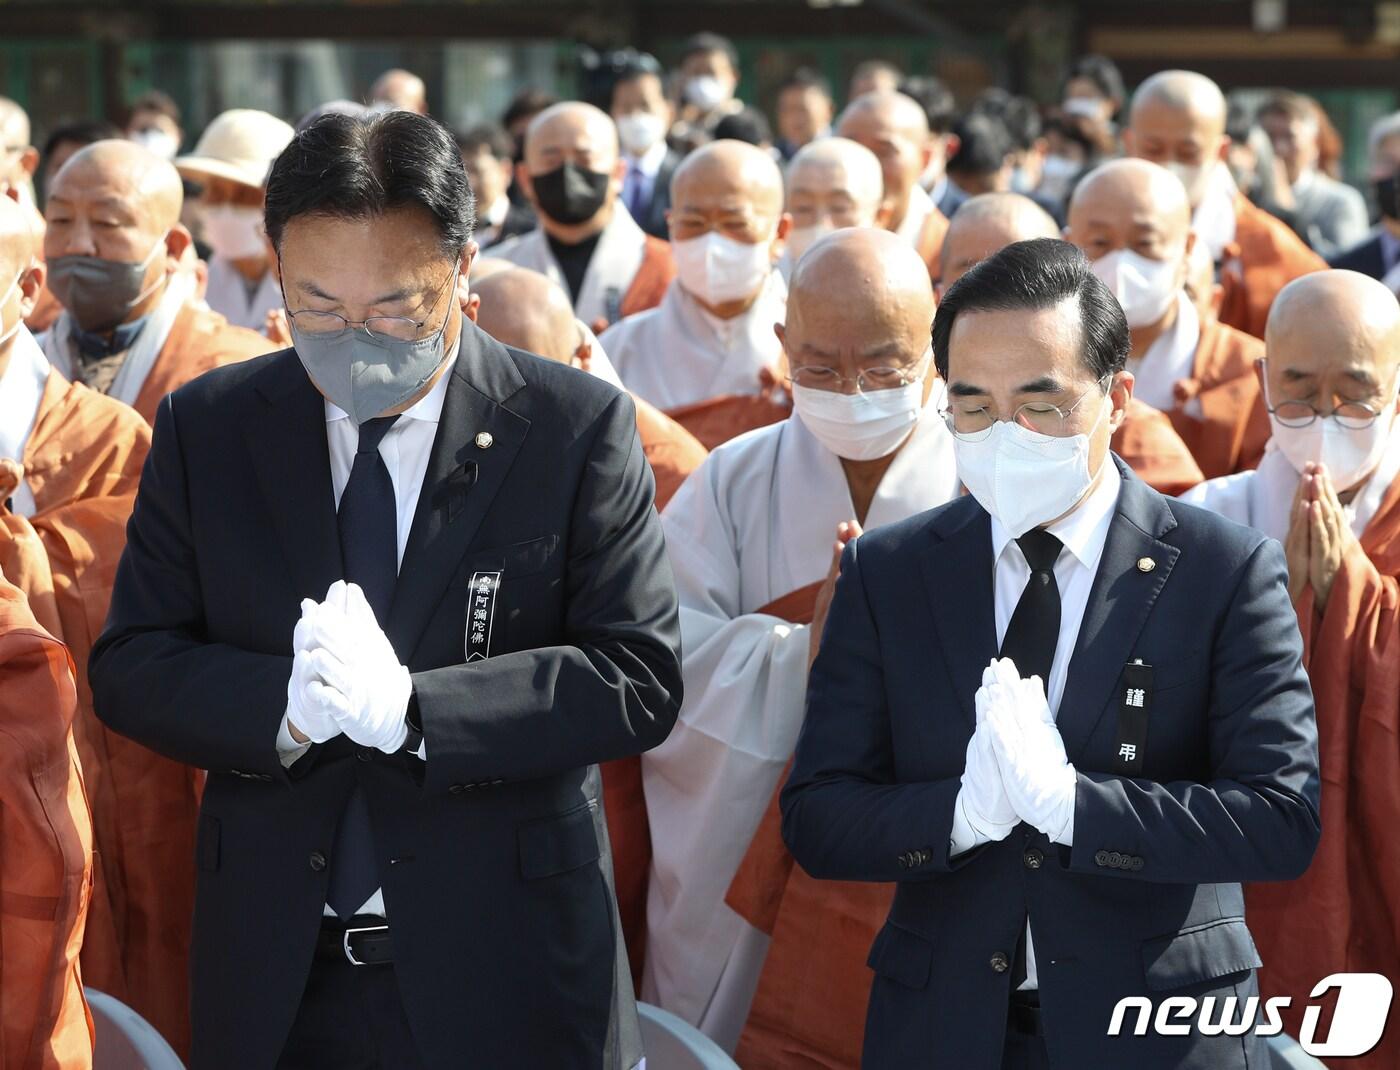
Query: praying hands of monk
(1319, 536)
(845, 532)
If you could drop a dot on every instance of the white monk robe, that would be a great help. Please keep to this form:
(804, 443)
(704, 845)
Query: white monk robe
(755, 522)
(228, 295)
(920, 208)
(1262, 498)
(677, 353)
(611, 269)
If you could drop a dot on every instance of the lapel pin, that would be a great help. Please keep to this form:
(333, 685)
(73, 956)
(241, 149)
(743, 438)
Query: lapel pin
(484, 440)
(1146, 564)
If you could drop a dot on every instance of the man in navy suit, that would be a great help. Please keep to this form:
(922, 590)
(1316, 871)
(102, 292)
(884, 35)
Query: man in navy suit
(1066, 715)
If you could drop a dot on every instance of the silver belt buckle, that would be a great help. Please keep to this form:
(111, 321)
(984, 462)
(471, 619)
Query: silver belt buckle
(345, 941)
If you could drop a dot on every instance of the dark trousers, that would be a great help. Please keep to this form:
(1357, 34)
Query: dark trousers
(1024, 1052)
(350, 1018)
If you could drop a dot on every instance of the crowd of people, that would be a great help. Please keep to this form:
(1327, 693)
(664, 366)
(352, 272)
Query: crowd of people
(764, 292)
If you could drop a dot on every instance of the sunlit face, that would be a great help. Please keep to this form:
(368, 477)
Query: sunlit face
(1294, 142)
(902, 156)
(488, 177)
(803, 113)
(706, 202)
(643, 93)
(821, 194)
(1316, 363)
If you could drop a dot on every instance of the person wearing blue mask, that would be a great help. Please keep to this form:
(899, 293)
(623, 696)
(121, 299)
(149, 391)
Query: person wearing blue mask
(1065, 715)
(398, 589)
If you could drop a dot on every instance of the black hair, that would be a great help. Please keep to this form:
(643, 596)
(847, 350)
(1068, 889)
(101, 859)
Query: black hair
(83, 132)
(156, 101)
(1104, 73)
(355, 168)
(749, 125)
(1034, 275)
(1019, 115)
(528, 102)
(935, 98)
(705, 43)
(625, 66)
(983, 145)
(805, 78)
(489, 136)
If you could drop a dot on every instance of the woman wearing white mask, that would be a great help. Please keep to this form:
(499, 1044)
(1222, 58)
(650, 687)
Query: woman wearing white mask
(230, 162)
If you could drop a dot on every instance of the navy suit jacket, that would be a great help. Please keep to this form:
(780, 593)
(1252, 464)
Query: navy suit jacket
(493, 853)
(1148, 899)
(1368, 258)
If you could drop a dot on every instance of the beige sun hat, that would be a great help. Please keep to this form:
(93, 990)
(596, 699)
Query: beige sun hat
(238, 145)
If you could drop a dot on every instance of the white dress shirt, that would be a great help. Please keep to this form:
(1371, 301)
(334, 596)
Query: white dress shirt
(405, 449)
(21, 390)
(1083, 534)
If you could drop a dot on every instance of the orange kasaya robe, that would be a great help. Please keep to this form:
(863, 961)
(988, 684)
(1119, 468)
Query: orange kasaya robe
(673, 454)
(809, 1010)
(1343, 914)
(930, 243)
(1265, 256)
(199, 341)
(1151, 447)
(1230, 434)
(45, 849)
(715, 421)
(82, 462)
(648, 284)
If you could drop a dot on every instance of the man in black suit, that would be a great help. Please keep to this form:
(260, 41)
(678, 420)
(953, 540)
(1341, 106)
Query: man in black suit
(1379, 255)
(1087, 712)
(643, 115)
(402, 856)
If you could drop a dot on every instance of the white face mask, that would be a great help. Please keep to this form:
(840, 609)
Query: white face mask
(800, 239)
(234, 233)
(163, 144)
(1350, 454)
(1144, 287)
(8, 331)
(1024, 478)
(1193, 177)
(861, 427)
(706, 92)
(1084, 107)
(716, 269)
(638, 131)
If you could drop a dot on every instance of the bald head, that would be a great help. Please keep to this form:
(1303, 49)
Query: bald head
(18, 158)
(986, 224)
(860, 299)
(126, 172)
(14, 123)
(888, 109)
(400, 89)
(733, 172)
(18, 241)
(1334, 337)
(571, 131)
(895, 128)
(835, 169)
(524, 309)
(1178, 120)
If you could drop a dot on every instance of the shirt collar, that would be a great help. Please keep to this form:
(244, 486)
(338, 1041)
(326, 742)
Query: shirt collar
(428, 408)
(94, 345)
(649, 162)
(496, 214)
(1085, 530)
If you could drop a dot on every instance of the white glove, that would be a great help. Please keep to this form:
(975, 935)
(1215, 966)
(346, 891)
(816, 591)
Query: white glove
(308, 698)
(367, 688)
(983, 796)
(1037, 774)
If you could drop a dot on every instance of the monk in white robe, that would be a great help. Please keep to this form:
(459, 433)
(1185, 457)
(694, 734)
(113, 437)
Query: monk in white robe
(750, 540)
(832, 182)
(707, 355)
(586, 242)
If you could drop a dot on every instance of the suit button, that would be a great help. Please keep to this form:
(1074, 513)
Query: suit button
(903, 861)
(999, 962)
(317, 861)
(1115, 859)
(1135, 864)
(1033, 858)
(363, 754)
(1100, 858)
(925, 857)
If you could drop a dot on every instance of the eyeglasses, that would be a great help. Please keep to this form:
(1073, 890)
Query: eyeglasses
(1039, 416)
(819, 377)
(1353, 415)
(388, 328)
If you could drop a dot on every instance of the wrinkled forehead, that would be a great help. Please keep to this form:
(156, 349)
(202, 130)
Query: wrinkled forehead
(1166, 121)
(572, 133)
(820, 177)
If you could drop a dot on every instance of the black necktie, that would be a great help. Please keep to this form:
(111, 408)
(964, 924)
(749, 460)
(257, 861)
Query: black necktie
(1030, 642)
(368, 520)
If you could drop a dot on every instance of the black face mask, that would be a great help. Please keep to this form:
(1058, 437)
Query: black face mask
(1388, 196)
(569, 194)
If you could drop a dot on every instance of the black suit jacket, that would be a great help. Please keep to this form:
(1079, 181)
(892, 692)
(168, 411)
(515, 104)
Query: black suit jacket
(652, 218)
(1147, 902)
(1367, 258)
(493, 853)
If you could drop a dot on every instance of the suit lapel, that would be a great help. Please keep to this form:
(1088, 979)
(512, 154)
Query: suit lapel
(1120, 600)
(291, 458)
(958, 578)
(460, 483)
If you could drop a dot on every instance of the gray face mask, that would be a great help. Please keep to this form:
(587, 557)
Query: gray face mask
(368, 375)
(99, 294)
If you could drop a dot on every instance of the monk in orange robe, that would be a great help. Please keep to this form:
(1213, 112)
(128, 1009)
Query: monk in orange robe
(1330, 491)
(45, 849)
(115, 203)
(1178, 120)
(524, 309)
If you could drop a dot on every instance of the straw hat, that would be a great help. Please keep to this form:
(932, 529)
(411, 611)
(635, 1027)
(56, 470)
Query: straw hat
(238, 145)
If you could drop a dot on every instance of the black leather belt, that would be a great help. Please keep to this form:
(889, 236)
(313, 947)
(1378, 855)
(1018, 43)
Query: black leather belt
(360, 942)
(1025, 1014)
